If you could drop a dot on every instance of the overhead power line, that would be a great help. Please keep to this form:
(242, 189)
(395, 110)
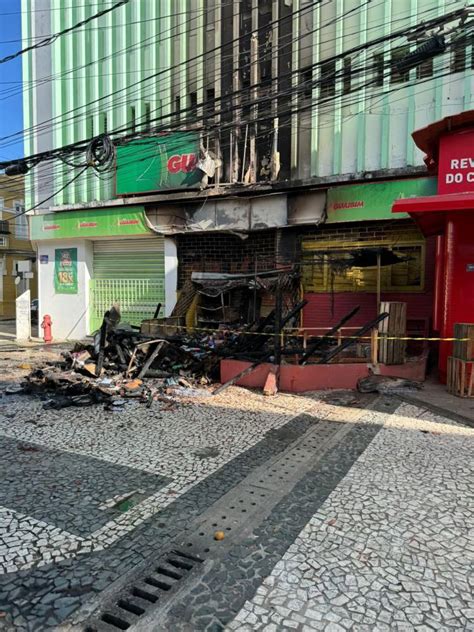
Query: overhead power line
(350, 98)
(177, 66)
(46, 125)
(75, 6)
(264, 112)
(143, 157)
(52, 38)
(79, 145)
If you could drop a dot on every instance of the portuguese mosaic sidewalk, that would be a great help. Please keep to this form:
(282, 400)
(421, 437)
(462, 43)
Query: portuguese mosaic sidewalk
(376, 532)
(392, 547)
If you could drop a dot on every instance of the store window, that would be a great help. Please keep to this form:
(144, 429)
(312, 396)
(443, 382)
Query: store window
(352, 269)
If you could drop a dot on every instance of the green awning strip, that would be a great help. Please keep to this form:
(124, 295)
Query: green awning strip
(98, 222)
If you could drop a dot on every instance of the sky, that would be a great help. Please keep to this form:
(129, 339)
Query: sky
(11, 109)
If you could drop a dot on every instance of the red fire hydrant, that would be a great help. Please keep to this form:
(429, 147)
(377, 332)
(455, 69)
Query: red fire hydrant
(46, 325)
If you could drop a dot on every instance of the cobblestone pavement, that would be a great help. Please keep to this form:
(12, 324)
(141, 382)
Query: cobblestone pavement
(392, 548)
(356, 514)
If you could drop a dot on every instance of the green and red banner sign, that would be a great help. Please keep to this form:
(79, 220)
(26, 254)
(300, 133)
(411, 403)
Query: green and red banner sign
(159, 163)
(65, 271)
(98, 222)
(365, 202)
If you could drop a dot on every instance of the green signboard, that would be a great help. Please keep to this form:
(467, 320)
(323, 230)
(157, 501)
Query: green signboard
(155, 164)
(359, 202)
(97, 222)
(65, 271)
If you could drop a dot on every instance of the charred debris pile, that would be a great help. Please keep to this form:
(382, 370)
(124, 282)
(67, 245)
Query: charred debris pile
(164, 361)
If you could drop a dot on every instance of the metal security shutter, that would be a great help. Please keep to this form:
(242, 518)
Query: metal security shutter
(129, 259)
(130, 272)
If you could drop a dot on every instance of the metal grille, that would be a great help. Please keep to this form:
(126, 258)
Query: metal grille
(137, 298)
(148, 588)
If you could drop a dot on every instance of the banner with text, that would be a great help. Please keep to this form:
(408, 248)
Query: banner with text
(65, 271)
(365, 202)
(155, 164)
(97, 222)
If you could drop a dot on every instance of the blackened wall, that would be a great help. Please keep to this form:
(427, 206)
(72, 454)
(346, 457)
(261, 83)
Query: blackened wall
(221, 252)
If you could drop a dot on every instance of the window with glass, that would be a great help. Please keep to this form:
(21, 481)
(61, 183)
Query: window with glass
(333, 270)
(20, 222)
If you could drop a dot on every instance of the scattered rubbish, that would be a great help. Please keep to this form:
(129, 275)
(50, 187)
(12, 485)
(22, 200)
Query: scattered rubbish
(23, 447)
(386, 384)
(123, 362)
(25, 366)
(91, 368)
(162, 363)
(114, 367)
(133, 384)
(270, 388)
(207, 453)
(219, 535)
(106, 381)
(14, 390)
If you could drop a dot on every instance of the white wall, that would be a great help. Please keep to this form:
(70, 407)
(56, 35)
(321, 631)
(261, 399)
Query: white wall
(171, 274)
(69, 312)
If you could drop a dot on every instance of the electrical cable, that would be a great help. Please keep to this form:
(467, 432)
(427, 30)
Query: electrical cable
(396, 88)
(52, 38)
(338, 18)
(348, 52)
(401, 86)
(137, 46)
(184, 63)
(78, 175)
(113, 26)
(355, 49)
(76, 6)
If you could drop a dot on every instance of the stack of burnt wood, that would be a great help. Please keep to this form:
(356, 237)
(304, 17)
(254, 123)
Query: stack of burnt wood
(122, 362)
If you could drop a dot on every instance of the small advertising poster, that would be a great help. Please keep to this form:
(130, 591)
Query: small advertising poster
(65, 271)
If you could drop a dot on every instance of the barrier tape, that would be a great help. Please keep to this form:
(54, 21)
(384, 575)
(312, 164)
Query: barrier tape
(285, 332)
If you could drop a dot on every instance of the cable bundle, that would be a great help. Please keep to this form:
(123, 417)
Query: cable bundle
(100, 153)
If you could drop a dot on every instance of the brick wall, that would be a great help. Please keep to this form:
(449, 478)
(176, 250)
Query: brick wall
(220, 252)
(367, 231)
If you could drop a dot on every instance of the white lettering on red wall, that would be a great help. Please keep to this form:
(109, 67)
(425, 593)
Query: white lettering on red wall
(456, 163)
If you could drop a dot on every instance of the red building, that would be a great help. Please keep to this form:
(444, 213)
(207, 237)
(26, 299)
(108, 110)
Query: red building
(449, 215)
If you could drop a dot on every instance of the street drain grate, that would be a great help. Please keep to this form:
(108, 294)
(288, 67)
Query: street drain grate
(243, 508)
(145, 592)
